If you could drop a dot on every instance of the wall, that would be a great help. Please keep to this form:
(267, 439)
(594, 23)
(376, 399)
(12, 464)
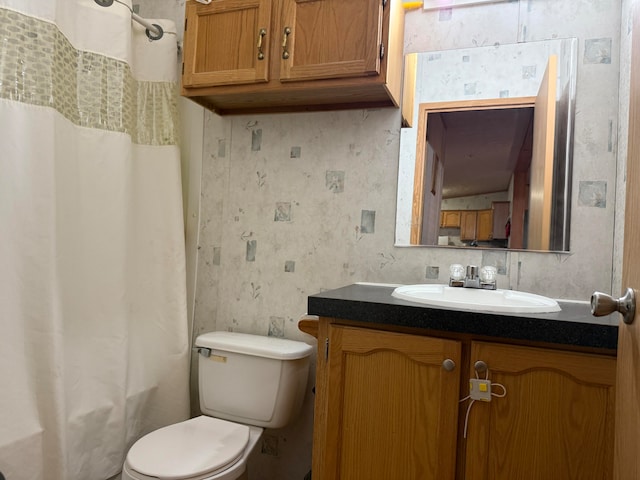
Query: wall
(296, 203)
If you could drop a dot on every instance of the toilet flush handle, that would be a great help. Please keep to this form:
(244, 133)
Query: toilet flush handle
(205, 352)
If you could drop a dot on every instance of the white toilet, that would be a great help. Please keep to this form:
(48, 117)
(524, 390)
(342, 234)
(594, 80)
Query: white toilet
(247, 383)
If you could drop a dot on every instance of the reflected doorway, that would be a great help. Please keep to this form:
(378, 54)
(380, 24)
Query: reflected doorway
(476, 176)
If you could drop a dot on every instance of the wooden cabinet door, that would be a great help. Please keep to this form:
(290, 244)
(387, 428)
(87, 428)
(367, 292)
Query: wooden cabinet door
(555, 422)
(468, 224)
(485, 225)
(330, 39)
(450, 219)
(385, 406)
(227, 42)
(500, 217)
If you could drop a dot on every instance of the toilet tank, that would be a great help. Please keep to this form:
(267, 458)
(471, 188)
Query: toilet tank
(252, 379)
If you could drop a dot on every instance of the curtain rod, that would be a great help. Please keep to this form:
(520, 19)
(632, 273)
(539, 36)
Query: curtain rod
(154, 31)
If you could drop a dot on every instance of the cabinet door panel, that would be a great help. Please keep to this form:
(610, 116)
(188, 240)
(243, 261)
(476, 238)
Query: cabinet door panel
(555, 422)
(450, 219)
(485, 225)
(468, 225)
(330, 39)
(391, 407)
(221, 44)
(500, 217)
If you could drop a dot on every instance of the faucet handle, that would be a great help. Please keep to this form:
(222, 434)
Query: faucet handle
(488, 273)
(456, 271)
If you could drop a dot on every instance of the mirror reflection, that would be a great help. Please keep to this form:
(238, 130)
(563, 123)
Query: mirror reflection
(485, 155)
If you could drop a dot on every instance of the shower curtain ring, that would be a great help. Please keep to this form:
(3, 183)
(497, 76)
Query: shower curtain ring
(156, 36)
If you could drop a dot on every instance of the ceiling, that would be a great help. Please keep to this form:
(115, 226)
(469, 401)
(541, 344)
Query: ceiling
(482, 149)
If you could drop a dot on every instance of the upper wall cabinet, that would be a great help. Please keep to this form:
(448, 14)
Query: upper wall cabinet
(252, 56)
(225, 43)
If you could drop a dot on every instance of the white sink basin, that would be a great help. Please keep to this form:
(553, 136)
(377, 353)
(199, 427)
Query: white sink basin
(509, 301)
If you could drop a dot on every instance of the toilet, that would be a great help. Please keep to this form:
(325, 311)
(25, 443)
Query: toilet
(247, 383)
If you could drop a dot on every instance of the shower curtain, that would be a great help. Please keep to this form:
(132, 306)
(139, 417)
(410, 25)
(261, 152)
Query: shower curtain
(93, 329)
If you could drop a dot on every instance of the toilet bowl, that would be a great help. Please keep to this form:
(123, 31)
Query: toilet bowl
(247, 383)
(201, 448)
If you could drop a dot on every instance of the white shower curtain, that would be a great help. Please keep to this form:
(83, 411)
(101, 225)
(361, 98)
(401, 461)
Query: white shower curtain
(93, 330)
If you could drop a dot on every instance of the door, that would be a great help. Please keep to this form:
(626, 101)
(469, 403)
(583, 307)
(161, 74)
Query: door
(626, 458)
(541, 181)
(330, 39)
(386, 406)
(227, 43)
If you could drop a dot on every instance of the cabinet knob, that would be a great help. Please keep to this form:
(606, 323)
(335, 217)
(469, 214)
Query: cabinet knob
(449, 365)
(480, 366)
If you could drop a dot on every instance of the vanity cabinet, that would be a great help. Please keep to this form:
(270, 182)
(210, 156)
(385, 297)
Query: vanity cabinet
(244, 56)
(385, 406)
(388, 406)
(555, 422)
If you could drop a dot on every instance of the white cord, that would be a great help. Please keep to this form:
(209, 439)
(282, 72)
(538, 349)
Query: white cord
(504, 390)
(466, 417)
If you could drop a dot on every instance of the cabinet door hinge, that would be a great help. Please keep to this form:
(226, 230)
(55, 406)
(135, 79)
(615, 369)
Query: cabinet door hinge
(326, 348)
(185, 24)
(381, 51)
(384, 3)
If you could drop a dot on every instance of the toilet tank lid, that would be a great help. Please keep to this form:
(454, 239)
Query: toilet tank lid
(257, 345)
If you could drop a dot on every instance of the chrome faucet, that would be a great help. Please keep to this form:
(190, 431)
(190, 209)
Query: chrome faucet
(472, 279)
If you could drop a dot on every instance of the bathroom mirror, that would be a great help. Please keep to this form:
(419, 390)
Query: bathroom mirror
(468, 115)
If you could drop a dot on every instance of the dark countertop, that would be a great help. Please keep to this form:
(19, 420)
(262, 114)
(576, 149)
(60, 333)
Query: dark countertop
(574, 325)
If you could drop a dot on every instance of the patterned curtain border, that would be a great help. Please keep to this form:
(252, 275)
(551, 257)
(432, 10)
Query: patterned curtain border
(39, 66)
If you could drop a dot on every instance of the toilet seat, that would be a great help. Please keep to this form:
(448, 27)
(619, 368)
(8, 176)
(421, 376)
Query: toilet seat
(194, 449)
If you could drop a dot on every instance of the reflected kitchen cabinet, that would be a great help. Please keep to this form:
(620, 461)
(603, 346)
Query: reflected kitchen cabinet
(450, 219)
(476, 225)
(252, 56)
(485, 225)
(468, 227)
(500, 219)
